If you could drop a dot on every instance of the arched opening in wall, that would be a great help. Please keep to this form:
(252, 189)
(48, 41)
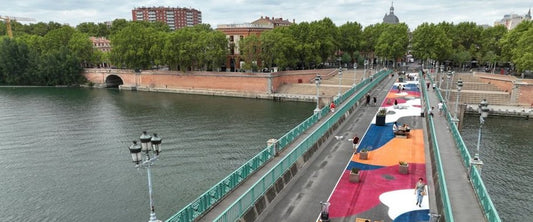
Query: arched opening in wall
(113, 81)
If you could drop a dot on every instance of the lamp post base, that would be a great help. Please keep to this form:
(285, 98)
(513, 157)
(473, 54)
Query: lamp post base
(317, 110)
(477, 163)
(153, 218)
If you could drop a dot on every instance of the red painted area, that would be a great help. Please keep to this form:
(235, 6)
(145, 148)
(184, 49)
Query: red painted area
(353, 198)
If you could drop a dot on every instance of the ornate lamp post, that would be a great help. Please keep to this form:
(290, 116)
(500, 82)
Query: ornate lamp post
(484, 111)
(459, 86)
(354, 73)
(148, 143)
(324, 211)
(448, 78)
(340, 80)
(439, 77)
(318, 78)
(365, 66)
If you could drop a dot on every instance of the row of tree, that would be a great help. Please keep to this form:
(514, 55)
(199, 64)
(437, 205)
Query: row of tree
(467, 41)
(42, 53)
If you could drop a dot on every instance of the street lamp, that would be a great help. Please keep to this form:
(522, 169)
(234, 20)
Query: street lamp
(340, 80)
(324, 211)
(484, 111)
(148, 143)
(448, 78)
(364, 72)
(354, 73)
(318, 78)
(439, 78)
(459, 86)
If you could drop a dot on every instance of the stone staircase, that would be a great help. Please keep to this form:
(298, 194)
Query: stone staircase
(473, 91)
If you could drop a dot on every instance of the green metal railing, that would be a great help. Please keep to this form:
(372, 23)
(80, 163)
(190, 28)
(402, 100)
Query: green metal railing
(205, 201)
(248, 199)
(475, 177)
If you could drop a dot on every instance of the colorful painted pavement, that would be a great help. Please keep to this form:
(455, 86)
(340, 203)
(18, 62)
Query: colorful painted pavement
(382, 190)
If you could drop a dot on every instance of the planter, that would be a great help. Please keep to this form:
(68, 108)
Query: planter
(380, 120)
(354, 177)
(363, 155)
(403, 169)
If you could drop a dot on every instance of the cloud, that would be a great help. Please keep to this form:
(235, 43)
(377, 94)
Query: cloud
(214, 12)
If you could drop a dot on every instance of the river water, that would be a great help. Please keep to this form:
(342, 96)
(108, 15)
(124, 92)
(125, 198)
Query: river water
(65, 157)
(507, 153)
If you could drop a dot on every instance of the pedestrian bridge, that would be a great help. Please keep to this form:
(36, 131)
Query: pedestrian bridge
(312, 163)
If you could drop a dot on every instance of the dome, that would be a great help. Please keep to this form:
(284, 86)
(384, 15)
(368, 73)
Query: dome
(391, 18)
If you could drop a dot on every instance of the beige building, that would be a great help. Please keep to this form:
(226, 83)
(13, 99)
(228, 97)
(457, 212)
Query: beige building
(236, 32)
(510, 21)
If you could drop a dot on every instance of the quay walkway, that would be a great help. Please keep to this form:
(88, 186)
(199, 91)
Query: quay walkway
(320, 173)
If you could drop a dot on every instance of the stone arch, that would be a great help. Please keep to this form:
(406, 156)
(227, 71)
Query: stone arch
(113, 81)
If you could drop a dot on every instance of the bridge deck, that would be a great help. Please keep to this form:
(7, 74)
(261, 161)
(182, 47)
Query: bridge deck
(318, 179)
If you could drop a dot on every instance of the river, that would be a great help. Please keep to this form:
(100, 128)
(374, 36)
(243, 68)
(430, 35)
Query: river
(65, 151)
(507, 153)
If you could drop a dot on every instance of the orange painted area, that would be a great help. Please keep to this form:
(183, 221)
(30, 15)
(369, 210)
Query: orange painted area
(410, 150)
(393, 95)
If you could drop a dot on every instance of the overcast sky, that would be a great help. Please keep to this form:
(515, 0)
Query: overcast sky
(215, 12)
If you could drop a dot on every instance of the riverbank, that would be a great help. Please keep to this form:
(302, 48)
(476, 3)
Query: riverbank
(508, 111)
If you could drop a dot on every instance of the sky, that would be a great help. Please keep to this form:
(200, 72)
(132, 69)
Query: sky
(216, 12)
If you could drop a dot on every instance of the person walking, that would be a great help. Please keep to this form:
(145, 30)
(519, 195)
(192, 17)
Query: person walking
(355, 142)
(375, 101)
(420, 191)
(439, 106)
(367, 99)
(332, 107)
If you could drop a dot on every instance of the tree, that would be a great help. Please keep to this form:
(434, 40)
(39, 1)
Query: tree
(430, 42)
(393, 42)
(522, 55)
(371, 35)
(13, 62)
(510, 41)
(57, 38)
(490, 48)
(89, 28)
(131, 46)
(80, 46)
(324, 35)
(350, 38)
(250, 50)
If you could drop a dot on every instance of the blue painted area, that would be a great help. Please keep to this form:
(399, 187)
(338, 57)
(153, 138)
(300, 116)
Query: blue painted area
(413, 216)
(362, 166)
(407, 87)
(376, 137)
(411, 87)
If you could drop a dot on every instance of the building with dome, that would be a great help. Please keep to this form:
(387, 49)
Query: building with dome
(391, 18)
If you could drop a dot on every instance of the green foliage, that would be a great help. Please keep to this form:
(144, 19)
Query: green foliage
(21, 65)
(250, 50)
(522, 55)
(393, 41)
(194, 48)
(350, 37)
(355, 170)
(131, 46)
